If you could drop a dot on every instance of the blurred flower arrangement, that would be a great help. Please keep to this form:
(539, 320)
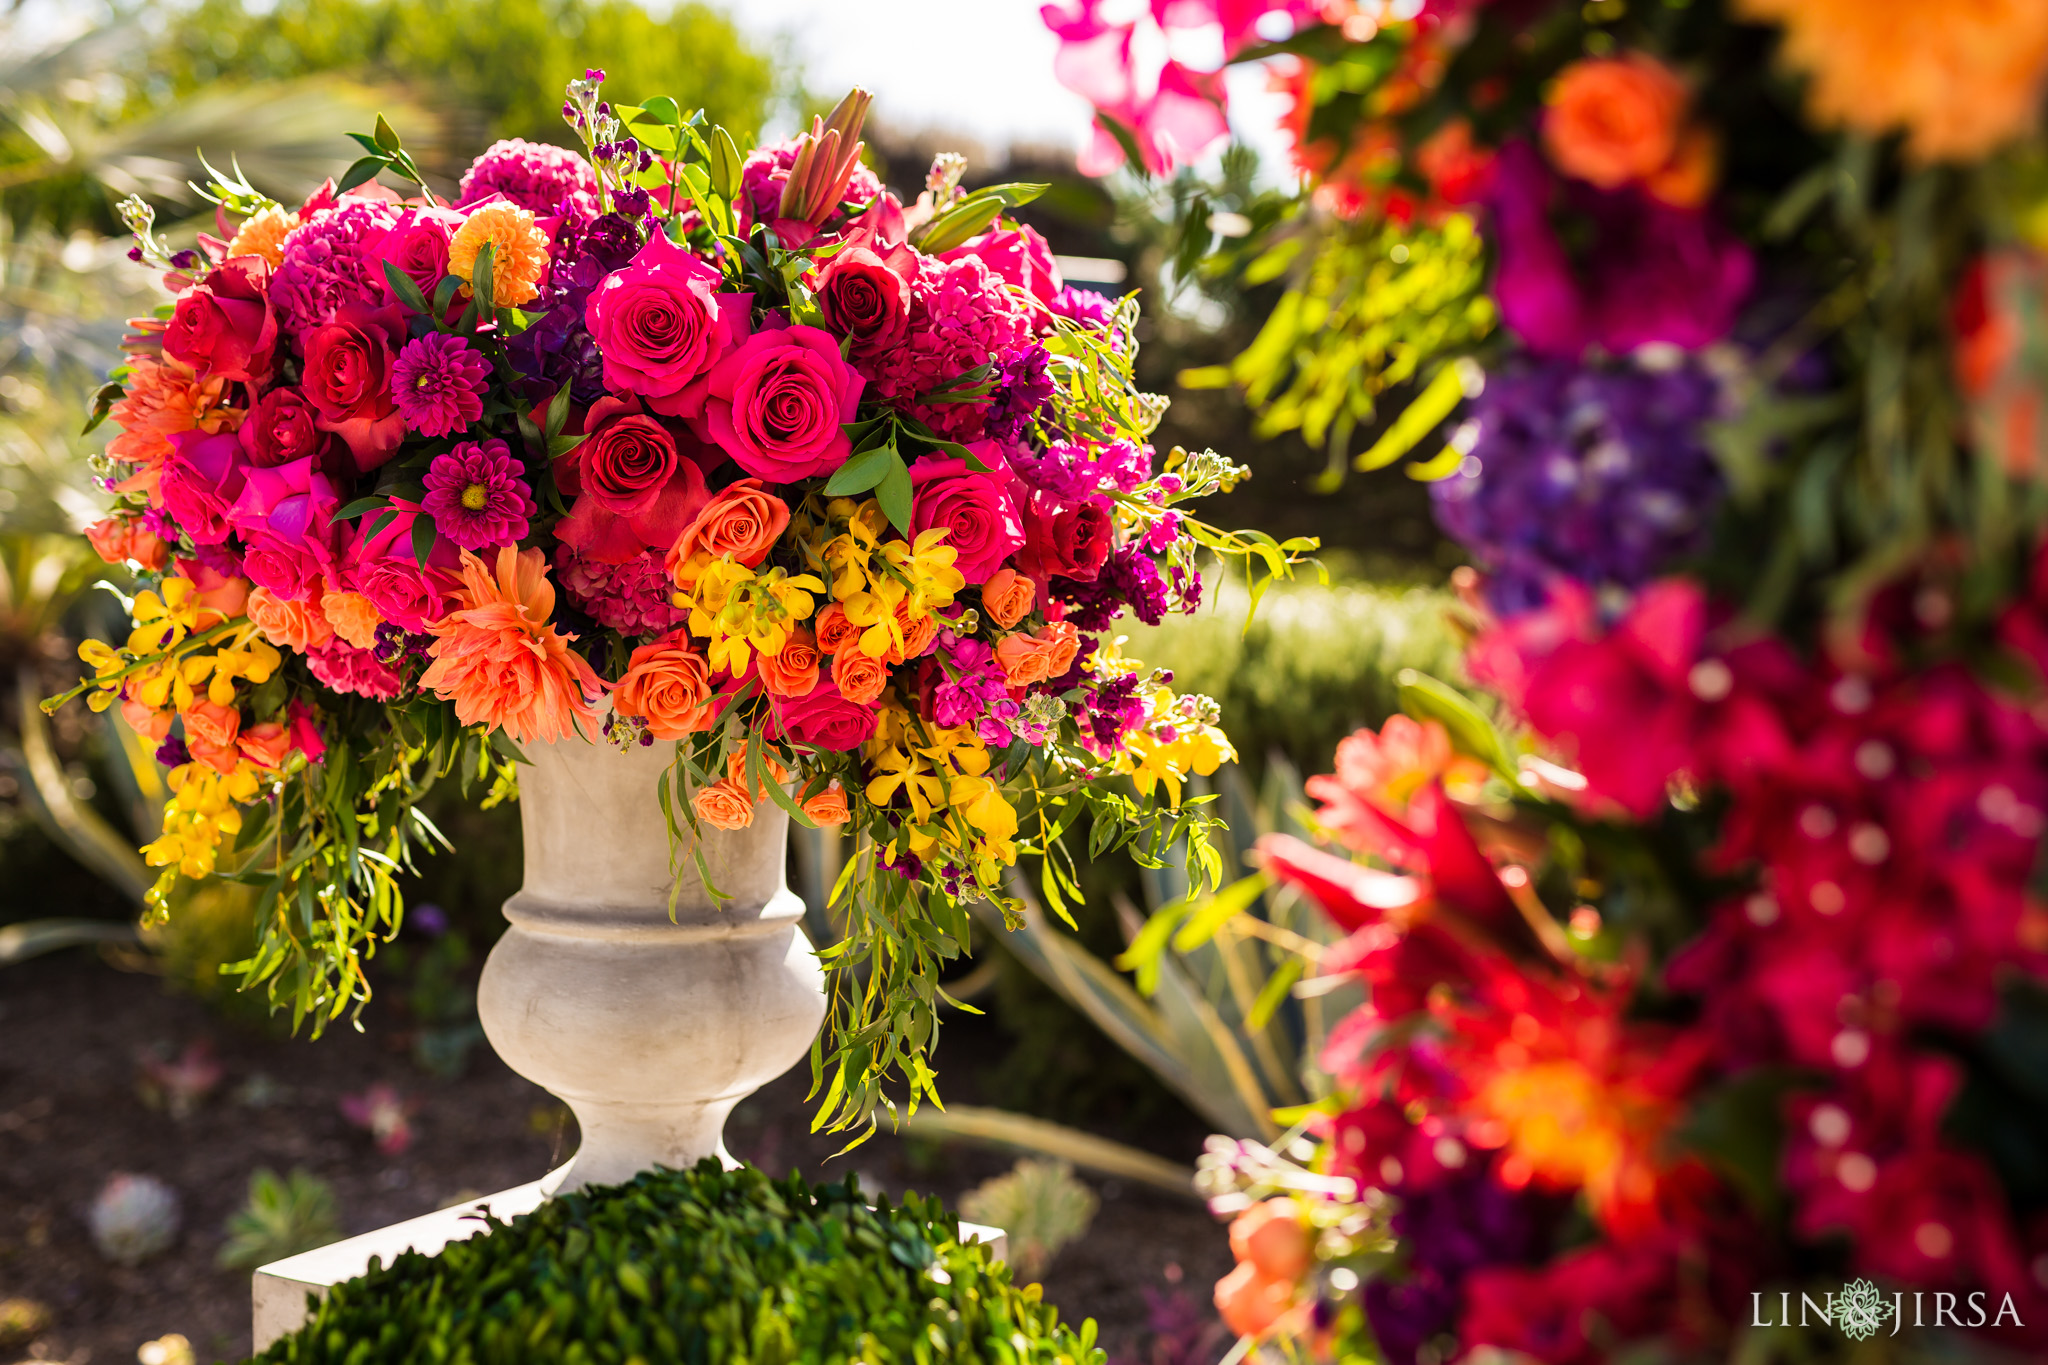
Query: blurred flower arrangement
(1718, 986)
(659, 444)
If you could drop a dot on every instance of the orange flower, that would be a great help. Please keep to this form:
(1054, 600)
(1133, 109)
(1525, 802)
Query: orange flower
(1690, 176)
(165, 397)
(150, 724)
(918, 632)
(736, 770)
(835, 632)
(500, 661)
(828, 807)
(120, 539)
(262, 234)
(265, 745)
(1027, 659)
(859, 678)
(1249, 1303)
(519, 251)
(741, 521)
(209, 722)
(668, 685)
(724, 805)
(1612, 120)
(227, 594)
(1959, 78)
(1008, 597)
(793, 672)
(289, 624)
(355, 618)
(1273, 1236)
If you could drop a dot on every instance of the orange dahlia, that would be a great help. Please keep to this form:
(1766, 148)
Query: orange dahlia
(501, 663)
(519, 251)
(1959, 78)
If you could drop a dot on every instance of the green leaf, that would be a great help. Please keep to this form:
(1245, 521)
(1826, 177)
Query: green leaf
(481, 278)
(422, 538)
(363, 140)
(1471, 733)
(662, 109)
(1275, 990)
(1453, 384)
(863, 472)
(103, 400)
(894, 494)
(444, 294)
(387, 136)
(362, 172)
(1148, 945)
(405, 287)
(558, 411)
(362, 505)
(1225, 906)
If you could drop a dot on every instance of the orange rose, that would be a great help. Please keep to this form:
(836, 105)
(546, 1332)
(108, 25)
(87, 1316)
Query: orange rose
(793, 672)
(119, 539)
(835, 632)
(741, 521)
(222, 758)
(828, 807)
(1273, 1236)
(1007, 597)
(151, 725)
(227, 594)
(265, 745)
(724, 805)
(1689, 178)
(209, 722)
(289, 624)
(1614, 119)
(918, 631)
(668, 685)
(736, 770)
(1249, 1303)
(355, 618)
(1028, 659)
(859, 679)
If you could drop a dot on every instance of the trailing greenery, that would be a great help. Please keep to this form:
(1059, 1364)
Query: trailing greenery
(704, 1265)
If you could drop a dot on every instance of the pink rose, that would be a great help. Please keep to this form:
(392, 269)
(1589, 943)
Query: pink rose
(281, 427)
(223, 326)
(381, 567)
(863, 299)
(824, 718)
(418, 245)
(1022, 257)
(348, 380)
(977, 511)
(305, 729)
(1070, 540)
(661, 323)
(201, 480)
(777, 404)
(283, 514)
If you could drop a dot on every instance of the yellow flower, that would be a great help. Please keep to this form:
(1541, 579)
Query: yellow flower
(740, 610)
(519, 251)
(162, 623)
(201, 811)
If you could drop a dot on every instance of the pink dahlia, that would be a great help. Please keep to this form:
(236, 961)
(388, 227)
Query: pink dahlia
(438, 384)
(633, 598)
(345, 668)
(547, 181)
(962, 315)
(330, 264)
(477, 495)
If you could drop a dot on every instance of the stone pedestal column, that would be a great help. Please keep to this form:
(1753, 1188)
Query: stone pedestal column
(650, 1028)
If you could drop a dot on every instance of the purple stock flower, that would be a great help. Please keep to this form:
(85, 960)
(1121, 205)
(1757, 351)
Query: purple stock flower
(558, 348)
(438, 384)
(1129, 578)
(477, 495)
(172, 753)
(1023, 385)
(1595, 472)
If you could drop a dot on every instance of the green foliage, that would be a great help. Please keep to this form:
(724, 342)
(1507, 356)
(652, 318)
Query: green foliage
(1039, 1204)
(283, 1216)
(697, 1265)
(505, 61)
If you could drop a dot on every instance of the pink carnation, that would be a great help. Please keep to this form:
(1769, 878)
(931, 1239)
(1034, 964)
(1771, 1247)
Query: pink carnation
(962, 315)
(633, 598)
(345, 668)
(438, 384)
(548, 181)
(331, 265)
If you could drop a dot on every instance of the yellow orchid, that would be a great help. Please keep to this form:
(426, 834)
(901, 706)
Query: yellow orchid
(202, 809)
(906, 771)
(740, 610)
(163, 622)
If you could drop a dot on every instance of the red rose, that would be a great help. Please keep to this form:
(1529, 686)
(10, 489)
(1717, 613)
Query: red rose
(223, 326)
(418, 245)
(777, 404)
(280, 428)
(977, 511)
(824, 718)
(348, 379)
(864, 299)
(625, 463)
(1070, 540)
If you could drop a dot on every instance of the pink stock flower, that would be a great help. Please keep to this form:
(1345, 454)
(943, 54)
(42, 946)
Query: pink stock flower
(477, 495)
(330, 269)
(1021, 257)
(962, 315)
(437, 382)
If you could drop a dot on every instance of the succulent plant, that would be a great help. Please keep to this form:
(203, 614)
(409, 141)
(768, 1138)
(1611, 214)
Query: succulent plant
(1039, 1204)
(133, 1218)
(283, 1216)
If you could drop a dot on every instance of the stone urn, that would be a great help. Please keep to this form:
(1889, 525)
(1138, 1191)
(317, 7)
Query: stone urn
(623, 987)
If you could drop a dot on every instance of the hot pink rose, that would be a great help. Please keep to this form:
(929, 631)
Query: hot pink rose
(776, 404)
(418, 245)
(381, 567)
(977, 511)
(201, 480)
(1070, 540)
(661, 324)
(281, 427)
(306, 737)
(223, 326)
(863, 299)
(283, 514)
(1022, 257)
(824, 718)
(348, 380)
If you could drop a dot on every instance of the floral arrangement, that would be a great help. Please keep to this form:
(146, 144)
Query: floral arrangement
(654, 444)
(1703, 963)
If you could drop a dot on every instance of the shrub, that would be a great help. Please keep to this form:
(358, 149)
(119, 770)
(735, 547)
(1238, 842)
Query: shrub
(699, 1265)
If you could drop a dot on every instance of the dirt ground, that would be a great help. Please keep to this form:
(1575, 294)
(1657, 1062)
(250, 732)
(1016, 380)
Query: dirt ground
(72, 1030)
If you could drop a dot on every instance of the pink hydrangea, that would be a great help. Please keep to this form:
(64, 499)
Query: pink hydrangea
(343, 667)
(331, 264)
(962, 315)
(542, 179)
(438, 383)
(633, 598)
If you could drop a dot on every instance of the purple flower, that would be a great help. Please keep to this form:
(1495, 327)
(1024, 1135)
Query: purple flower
(1129, 578)
(1085, 306)
(1023, 386)
(552, 182)
(438, 384)
(1074, 470)
(558, 348)
(172, 753)
(477, 495)
(1110, 712)
(1599, 473)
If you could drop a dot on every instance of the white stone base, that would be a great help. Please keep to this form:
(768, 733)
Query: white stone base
(283, 1292)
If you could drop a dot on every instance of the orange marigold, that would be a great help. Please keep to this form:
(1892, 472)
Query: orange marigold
(519, 251)
(1959, 78)
(501, 663)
